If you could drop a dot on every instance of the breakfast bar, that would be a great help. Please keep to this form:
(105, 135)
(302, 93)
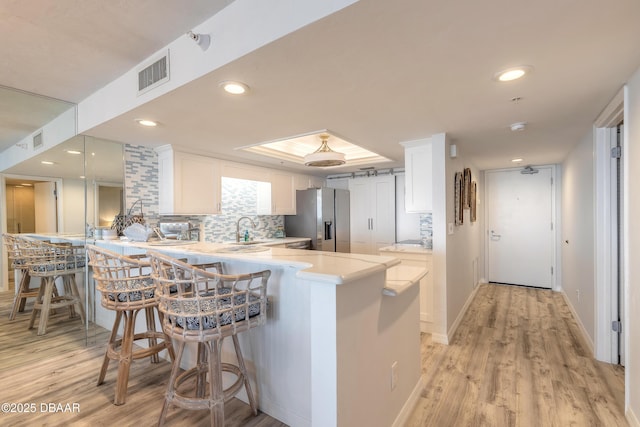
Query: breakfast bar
(336, 349)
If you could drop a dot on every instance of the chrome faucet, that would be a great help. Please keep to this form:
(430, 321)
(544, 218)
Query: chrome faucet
(253, 225)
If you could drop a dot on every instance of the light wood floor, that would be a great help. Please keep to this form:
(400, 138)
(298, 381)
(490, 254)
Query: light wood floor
(60, 368)
(518, 359)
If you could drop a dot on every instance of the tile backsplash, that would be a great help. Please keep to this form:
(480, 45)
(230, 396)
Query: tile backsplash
(141, 183)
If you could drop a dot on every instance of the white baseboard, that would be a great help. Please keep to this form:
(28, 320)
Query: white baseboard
(586, 336)
(454, 327)
(410, 404)
(440, 338)
(632, 418)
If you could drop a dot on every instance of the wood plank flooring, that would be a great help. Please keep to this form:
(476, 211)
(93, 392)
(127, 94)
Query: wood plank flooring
(518, 359)
(60, 368)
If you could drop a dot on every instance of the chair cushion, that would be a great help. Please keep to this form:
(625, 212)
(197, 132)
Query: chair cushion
(224, 309)
(130, 290)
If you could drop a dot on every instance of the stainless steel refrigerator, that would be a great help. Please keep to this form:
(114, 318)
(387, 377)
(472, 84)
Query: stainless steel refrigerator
(322, 214)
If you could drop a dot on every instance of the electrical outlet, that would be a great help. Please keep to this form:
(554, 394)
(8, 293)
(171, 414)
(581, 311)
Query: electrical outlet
(394, 375)
(578, 294)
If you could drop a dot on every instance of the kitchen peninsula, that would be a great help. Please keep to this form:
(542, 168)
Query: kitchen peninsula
(341, 345)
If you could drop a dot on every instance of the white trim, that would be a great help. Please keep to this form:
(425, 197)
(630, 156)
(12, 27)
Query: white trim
(613, 113)
(454, 327)
(410, 404)
(604, 337)
(585, 334)
(440, 338)
(632, 418)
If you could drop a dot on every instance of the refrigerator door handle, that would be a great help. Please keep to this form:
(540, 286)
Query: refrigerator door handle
(328, 230)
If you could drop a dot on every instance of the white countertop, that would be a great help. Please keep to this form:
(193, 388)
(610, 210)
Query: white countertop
(408, 248)
(331, 267)
(402, 277)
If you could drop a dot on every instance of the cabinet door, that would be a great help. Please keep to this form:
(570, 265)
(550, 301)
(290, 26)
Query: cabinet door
(383, 221)
(283, 194)
(196, 184)
(418, 178)
(360, 215)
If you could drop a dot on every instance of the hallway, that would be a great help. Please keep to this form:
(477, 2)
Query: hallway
(518, 359)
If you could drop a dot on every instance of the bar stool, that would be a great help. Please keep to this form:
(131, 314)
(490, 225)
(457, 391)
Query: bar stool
(13, 242)
(205, 307)
(48, 261)
(127, 288)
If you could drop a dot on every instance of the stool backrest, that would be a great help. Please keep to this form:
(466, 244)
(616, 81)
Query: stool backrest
(198, 304)
(13, 252)
(45, 259)
(124, 282)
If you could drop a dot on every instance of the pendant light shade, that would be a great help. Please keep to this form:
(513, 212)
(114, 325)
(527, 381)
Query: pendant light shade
(324, 156)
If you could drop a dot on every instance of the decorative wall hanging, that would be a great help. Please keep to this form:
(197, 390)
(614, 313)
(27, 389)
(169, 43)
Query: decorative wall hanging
(459, 198)
(467, 188)
(473, 194)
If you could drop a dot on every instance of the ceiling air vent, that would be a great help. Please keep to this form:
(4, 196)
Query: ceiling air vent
(37, 140)
(154, 75)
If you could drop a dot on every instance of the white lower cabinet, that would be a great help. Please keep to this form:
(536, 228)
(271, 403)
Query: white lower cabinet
(373, 213)
(419, 259)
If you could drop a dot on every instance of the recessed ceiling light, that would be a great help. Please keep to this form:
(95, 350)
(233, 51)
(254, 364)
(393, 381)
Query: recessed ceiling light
(234, 88)
(518, 127)
(518, 160)
(47, 162)
(74, 152)
(146, 122)
(511, 74)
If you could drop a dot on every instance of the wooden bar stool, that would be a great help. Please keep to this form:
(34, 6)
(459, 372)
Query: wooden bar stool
(204, 307)
(127, 288)
(50, 261)
(13, 242)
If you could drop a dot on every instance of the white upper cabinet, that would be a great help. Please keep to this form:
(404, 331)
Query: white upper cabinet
(418, 167)
(189, 184)
(283, 193)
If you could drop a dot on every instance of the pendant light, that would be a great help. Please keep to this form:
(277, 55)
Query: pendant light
(324, 156)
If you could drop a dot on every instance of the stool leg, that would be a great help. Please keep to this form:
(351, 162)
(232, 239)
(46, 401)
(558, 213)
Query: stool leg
(20, 300)
(202, 367)
(168, 397)
(167, 338)
(46, 305)
(76, 295)
(125, 356)
(38, 304)
(151, 327)
(243, 369)
(110, 345)
(215, 384)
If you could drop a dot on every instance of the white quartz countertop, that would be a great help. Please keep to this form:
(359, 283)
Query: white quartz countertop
(402, 277)
(331, 267)
(409, 248)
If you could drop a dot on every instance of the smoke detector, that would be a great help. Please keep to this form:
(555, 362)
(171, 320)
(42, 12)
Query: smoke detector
(518, 127)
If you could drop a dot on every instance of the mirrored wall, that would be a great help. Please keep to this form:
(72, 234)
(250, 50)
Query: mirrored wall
(65, 193)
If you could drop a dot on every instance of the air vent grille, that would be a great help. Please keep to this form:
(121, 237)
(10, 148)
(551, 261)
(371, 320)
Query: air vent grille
(154, 75)
(37, 141)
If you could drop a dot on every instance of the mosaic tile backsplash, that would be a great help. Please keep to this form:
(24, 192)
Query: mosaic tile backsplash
(141, 183)
(426, 229)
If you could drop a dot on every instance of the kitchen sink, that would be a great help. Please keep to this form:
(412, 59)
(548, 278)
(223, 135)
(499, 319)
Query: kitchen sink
(243, 249)
(172, 242)
(248, 243)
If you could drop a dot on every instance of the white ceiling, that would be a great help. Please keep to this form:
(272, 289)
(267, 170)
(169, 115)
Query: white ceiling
(377, 73)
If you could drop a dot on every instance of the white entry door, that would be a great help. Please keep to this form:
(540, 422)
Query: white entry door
(520, 227)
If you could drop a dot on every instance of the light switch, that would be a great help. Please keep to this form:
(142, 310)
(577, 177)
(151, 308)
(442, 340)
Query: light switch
(450, 228)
